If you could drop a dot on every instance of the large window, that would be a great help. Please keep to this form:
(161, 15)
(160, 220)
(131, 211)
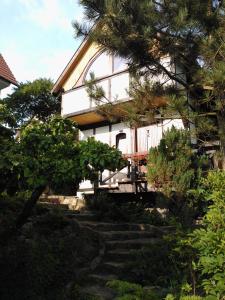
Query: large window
(119, 64)
(101, 67)
(106, 65)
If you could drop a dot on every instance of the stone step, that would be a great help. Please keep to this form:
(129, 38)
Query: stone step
(112, 267)
(131, 244)
(122, 255)
(82, 217)
(54, 205)
(129, 235)
(100, 292)
(105, 226)
(101, 278)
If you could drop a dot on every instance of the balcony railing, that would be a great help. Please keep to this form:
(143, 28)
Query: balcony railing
(77, 101)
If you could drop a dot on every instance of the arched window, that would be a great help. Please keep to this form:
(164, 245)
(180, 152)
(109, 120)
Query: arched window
(119, 64)
(101, 66)
(105, 65)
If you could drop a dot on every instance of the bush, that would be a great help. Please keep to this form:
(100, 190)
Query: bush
(209, 241)
(190, 297)
(175, 169)
(166, 264)
(44, 258)
(131, 291)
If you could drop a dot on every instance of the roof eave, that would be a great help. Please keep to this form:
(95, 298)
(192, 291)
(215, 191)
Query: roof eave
(69, 67)
(10, 81)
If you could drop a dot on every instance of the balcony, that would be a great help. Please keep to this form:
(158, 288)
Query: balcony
(77, 105)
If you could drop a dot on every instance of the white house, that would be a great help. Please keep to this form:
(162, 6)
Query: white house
(113, 76)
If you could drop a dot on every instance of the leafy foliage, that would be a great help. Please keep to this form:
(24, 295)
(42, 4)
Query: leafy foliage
(131, 291)
(190, 297)
(8, 152)
(209, 241)
(160, 264)
(50, 153)
(96, 156)
(32, 100)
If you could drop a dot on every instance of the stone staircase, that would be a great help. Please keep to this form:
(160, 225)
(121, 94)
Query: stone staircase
(118, 240)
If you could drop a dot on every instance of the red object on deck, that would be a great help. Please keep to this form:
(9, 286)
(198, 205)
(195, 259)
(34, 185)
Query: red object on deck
(137, 155)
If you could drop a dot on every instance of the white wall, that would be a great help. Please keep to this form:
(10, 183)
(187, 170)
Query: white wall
(102, 134)
(83, 135)
(167, 124)
(127, 145)
(74, 101)
(120, 87)
(149, 136)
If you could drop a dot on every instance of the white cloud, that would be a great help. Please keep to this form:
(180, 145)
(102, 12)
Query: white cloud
(50, 13)
(30, 58)
(56, 62)
(18, 63)
(29, 68)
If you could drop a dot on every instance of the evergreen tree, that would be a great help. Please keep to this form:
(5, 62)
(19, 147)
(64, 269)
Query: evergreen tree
(176, 170)
(191, 33)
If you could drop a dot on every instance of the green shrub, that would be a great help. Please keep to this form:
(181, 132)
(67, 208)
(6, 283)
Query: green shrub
(192, 297)
(175, 169)
(131, 291)
(167, 264)
(189, 297)
(209, 241)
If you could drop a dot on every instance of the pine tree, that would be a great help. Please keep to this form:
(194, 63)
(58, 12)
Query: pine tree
(191, 33)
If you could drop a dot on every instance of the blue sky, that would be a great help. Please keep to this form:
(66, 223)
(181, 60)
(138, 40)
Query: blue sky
(36, 36)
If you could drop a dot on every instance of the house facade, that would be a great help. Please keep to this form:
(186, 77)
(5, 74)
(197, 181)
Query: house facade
(112, 75)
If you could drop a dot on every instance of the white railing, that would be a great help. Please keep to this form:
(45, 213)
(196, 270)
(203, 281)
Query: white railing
(77, 100)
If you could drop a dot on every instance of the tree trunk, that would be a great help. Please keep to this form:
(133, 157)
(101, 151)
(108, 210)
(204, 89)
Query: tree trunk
(96, 183)
(221, 131)
(28, 207)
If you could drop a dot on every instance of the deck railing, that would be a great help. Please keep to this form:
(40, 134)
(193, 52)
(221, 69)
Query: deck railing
(77, 100)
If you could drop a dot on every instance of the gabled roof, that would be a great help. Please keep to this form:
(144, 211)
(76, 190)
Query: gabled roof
(72, 63)
(5, 72)
(68, 69)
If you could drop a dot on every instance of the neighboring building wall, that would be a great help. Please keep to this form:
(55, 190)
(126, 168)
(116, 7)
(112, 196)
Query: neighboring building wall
(6, 75)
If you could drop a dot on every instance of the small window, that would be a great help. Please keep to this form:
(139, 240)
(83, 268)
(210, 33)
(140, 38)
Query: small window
(121, 142)
(119, 137)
